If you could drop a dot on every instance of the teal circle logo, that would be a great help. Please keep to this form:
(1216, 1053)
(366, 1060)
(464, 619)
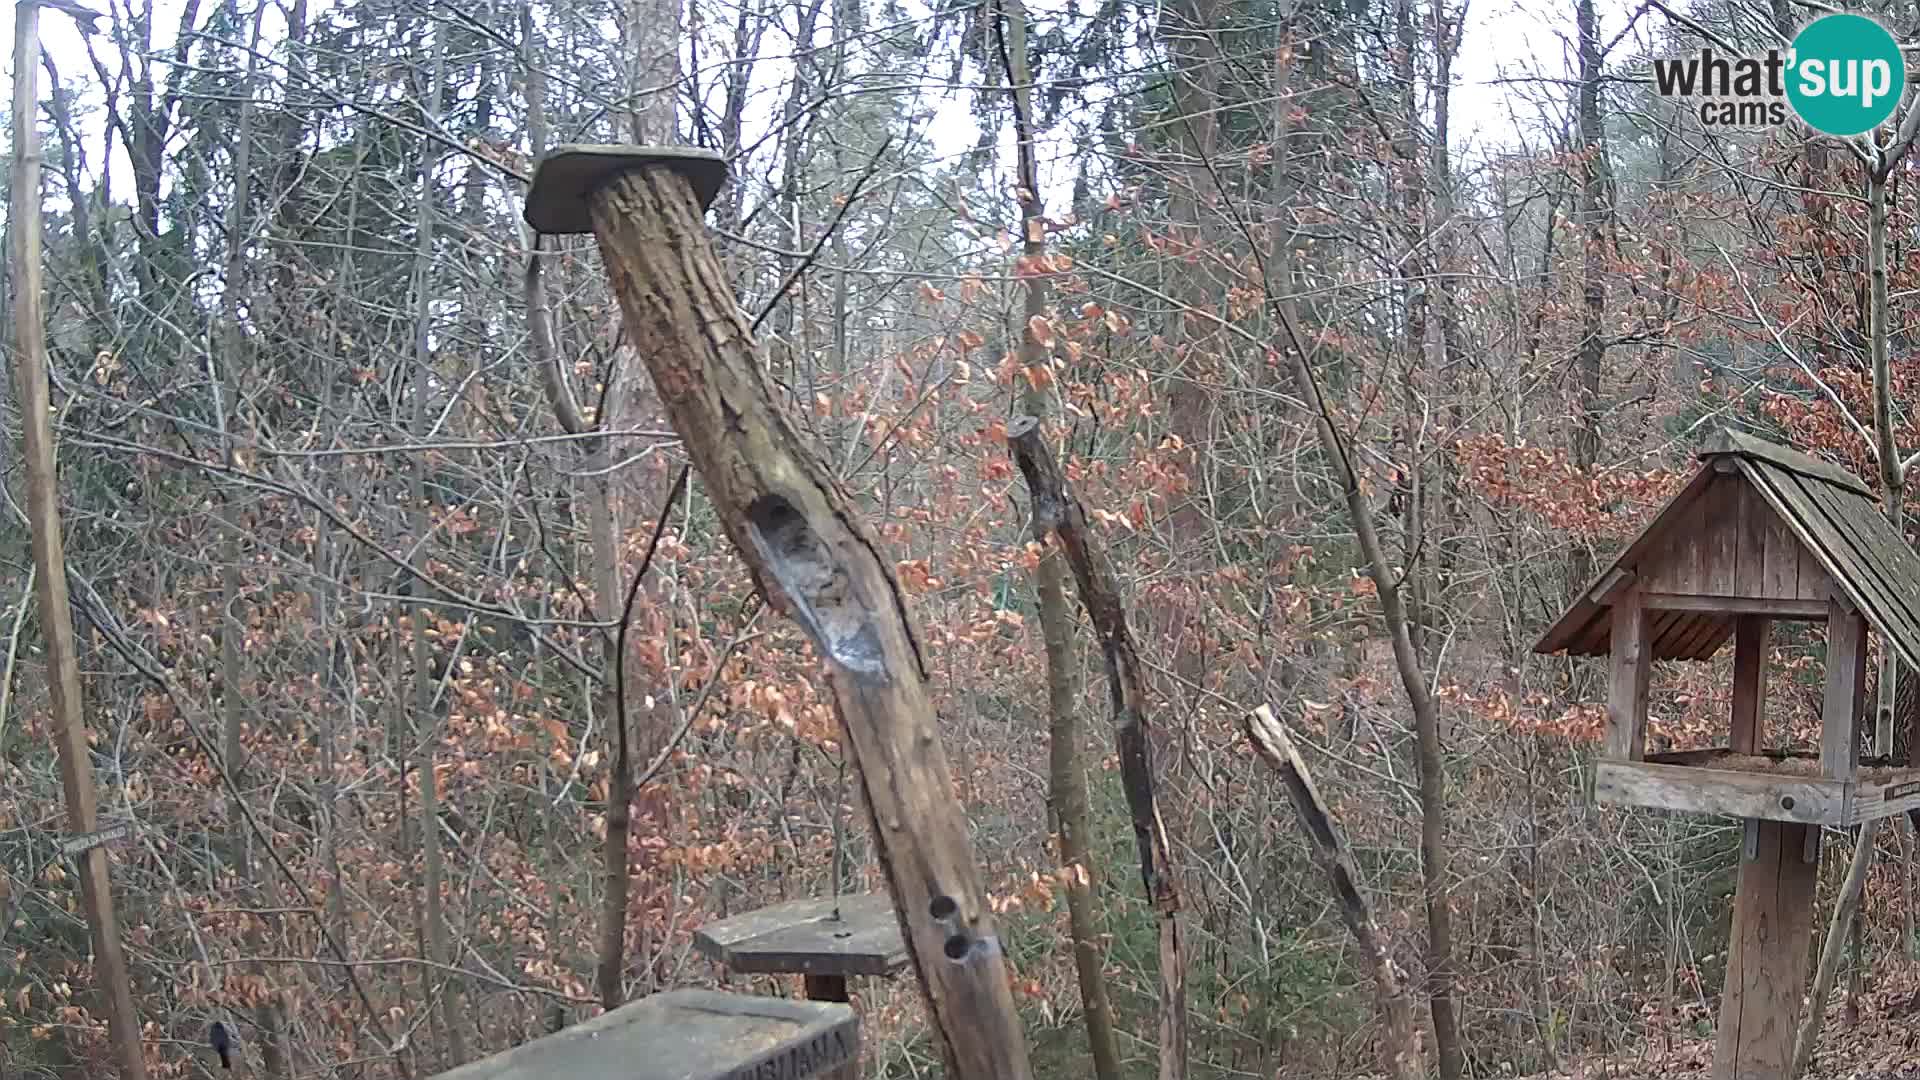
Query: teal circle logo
(1847, 74)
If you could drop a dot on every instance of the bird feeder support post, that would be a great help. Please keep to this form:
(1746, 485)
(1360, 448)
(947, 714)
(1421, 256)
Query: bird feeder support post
(811, 555)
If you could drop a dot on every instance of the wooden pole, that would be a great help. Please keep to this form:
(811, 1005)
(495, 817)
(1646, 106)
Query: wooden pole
(811, 555)
(49, 556)
(1760, 1006)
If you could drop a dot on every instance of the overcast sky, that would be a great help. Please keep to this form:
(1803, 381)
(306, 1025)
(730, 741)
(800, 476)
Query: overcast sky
(1513, 50)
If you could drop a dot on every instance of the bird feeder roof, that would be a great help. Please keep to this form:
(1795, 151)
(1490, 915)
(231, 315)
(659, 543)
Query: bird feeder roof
(1760, 528)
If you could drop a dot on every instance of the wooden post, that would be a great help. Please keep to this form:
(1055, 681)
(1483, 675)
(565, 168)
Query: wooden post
(1767, 957)
(1750, 684)
(833, 988)
(811, 554)
(1627, 689)
(1846, 679)
(49, 549)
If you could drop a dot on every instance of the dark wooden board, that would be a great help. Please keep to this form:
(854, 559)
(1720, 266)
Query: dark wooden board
(802, 937)
(686, 1035)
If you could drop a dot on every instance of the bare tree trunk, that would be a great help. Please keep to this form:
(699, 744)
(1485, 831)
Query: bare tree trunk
(1057, 511)
(1068, 784)
(233, 674)
(1428, 758)
(1845, 906)
(426, 729)
(49, 550)
(812, 555)
(1593, 290)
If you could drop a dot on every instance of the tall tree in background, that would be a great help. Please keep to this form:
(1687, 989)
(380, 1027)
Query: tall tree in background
(1066, 780)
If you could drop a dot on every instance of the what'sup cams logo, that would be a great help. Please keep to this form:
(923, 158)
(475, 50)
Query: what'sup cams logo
(1843, 75)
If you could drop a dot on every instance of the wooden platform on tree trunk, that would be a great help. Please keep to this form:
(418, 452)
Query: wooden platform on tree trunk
(687, 1035)
(803, 938)
(1772, 787)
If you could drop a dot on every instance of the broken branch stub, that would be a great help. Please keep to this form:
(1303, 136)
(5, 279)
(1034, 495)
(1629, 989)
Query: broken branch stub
(814, 558)
(1055, 507)
(1399, 1044)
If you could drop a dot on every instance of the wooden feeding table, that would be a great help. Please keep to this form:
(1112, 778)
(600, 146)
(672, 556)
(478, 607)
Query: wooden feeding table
(1760, 534)
(824, 940)
(687, 1035)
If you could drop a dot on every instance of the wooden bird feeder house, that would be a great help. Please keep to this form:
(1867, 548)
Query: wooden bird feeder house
(1760, 534)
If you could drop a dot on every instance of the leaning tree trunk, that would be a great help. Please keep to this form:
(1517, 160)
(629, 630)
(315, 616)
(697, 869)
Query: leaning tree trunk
(812, 555)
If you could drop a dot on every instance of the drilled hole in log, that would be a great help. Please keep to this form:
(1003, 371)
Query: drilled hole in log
(1786, 802)
(942, 907)
(957, 947)
(817, 588)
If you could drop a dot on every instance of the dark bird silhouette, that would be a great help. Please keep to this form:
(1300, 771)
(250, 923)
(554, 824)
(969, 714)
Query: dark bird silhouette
(222, 1044)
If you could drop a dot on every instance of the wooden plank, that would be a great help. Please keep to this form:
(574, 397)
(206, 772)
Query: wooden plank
(1709, 755)
(1610, 583)
(1782, 568)
(1691, 640)
(1896, 794)
(1808, 610)
(802, 937)
(1845, 687)
(1749, 732)
(1698, 790)
(1751, 518)
(1767, 956)
(1721, 633)
(1739, 443)
(1719, 537)
(1631, 664)
(687, 1035)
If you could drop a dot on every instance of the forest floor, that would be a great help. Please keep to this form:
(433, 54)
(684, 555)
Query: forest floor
(1881, 1043)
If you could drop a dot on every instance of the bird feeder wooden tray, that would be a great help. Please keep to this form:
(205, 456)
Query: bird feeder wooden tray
(1773, 787)
(687, 1035)
(802, 937)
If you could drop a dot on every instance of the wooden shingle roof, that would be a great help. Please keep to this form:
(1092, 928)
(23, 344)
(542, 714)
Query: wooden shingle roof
(1770, 506)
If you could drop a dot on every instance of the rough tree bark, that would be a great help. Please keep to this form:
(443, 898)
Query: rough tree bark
(1593, 286)
(812, 556)
(49, 549)
(1400, 1043)
(1057, 511)
(1067, 783)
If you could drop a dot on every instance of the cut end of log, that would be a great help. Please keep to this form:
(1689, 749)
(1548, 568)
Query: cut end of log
(818, 589)
(1021, 426)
